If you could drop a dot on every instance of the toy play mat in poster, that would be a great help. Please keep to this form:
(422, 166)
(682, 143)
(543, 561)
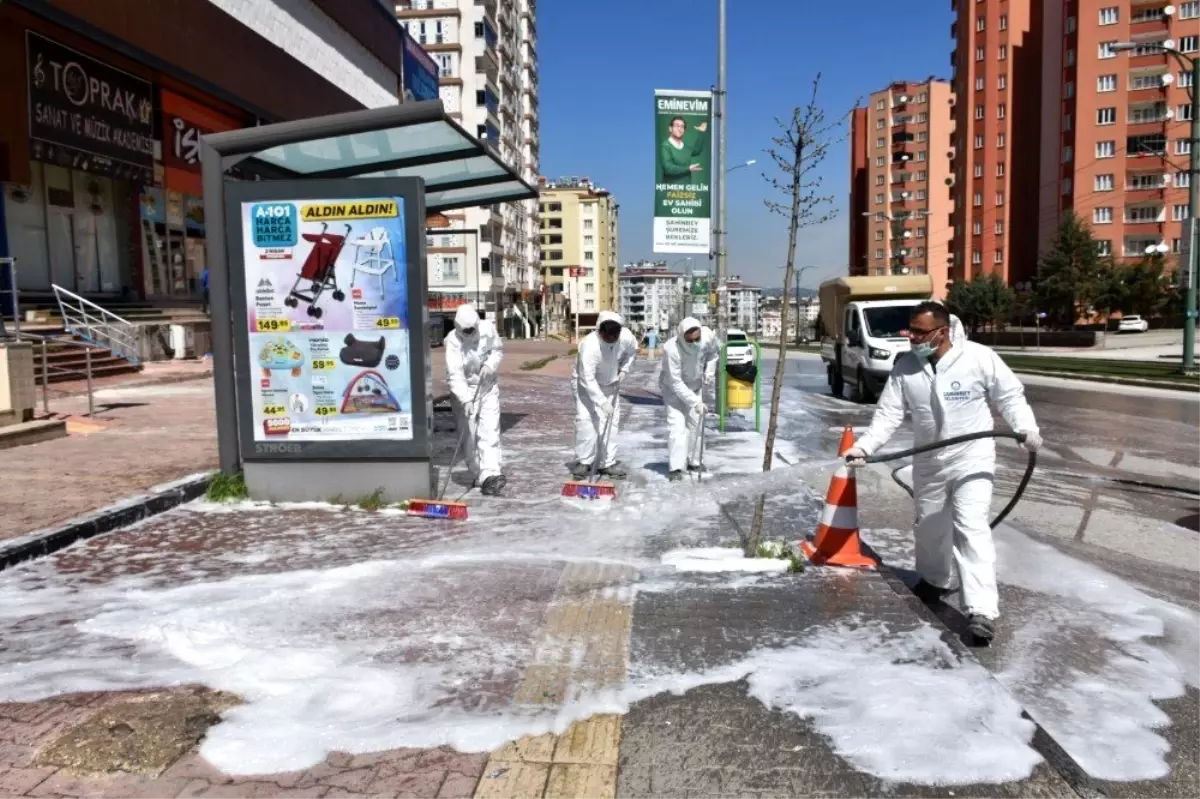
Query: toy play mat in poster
(327, 308)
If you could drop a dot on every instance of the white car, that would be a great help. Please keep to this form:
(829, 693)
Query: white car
(740, 349)
(1133, 324)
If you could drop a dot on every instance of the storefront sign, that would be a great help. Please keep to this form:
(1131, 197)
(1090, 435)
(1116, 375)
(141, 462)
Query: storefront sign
(332, 360)
(183, 123)
(87, 115)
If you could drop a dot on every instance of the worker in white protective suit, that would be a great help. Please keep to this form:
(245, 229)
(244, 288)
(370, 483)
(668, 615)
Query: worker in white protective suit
(473, 355)
(605, 357)
(947, 384)
(689, 364)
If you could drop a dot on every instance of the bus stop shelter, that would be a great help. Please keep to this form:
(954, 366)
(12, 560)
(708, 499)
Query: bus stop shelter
(317, 282)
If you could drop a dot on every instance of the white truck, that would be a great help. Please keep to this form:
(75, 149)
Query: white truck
(864, 319)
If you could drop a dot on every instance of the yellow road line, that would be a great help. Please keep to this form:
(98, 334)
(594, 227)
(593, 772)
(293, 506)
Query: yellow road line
(584, 642)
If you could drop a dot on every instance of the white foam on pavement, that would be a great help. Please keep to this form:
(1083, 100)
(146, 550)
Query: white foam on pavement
(720, 559)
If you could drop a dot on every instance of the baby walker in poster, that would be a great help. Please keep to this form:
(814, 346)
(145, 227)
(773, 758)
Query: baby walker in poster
(327, 308)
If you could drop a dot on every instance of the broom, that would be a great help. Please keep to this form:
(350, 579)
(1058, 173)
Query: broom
(591, 488)
(700, 438)
(442, 508)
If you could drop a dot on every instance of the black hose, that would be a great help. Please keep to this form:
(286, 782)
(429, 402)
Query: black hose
(884, 457)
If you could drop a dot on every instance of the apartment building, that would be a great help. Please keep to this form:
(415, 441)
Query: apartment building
(900, 181)
(651, 296)
(744, 302)
(1115, 123)
(995, 156)
(580, 243)
(486, 52)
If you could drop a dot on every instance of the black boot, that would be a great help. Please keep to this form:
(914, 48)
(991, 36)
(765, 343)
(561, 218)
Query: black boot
(696, 468)
(929, 593)
(616, 471)
(493, 485)
(580, 471)
(675, 476)
(983, 628)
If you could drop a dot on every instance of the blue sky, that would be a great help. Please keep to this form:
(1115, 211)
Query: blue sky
(600, 63)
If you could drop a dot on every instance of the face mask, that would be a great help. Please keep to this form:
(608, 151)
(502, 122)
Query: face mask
(924, 350)
(691, 347)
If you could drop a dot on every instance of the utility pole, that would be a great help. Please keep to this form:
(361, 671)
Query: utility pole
(719, 178)
(1193, 267)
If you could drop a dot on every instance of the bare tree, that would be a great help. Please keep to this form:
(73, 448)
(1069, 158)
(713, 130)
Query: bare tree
(798, 152)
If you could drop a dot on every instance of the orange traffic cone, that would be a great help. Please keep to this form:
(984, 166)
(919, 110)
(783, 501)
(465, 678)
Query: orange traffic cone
(836, 542)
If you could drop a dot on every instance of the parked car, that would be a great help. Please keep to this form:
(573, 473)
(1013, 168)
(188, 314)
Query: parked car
(1133, 324)
(740, 349)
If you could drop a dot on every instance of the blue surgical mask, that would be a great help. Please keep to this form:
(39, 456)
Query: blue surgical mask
(924, 350)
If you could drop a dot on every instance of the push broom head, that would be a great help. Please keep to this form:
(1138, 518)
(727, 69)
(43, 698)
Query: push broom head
(437, 509)
(582, 489)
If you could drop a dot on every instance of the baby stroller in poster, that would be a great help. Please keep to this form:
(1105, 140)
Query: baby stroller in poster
(318, 270)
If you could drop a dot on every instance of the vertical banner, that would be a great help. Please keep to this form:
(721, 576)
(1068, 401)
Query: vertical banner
(683, 171)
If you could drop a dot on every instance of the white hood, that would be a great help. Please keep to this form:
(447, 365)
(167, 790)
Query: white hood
(687, 324)
(609, 316)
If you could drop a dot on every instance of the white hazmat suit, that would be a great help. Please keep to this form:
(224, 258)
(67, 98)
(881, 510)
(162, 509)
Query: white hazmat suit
(953, 486)
(685, 370)
(472, 361)
(599, 367)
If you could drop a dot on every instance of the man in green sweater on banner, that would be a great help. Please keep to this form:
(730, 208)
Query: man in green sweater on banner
(678, 160)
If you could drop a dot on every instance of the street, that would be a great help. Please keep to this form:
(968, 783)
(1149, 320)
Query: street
(556, 647)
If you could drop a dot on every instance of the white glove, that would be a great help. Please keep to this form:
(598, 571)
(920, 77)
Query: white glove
(856, 457)
(1033, 441)
(605, 409)
(698, 410)
(623, 374)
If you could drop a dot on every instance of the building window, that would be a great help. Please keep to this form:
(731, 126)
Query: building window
(977, 200)
(589, 240)
(1143, 213)
(1070, 24)
(1184, 112)
(1068, 154)
(921, 154)
(977, 228)
(1068, 121)
(1189, 44)
(921, 194)
(1102, 216)
(1182, 180)
(999, 198)
(1002, 81)
(1104, 246)
(921, 176)
(999, 256)
(445, 65)
(1069, 89)
(589, 288)
(1002, 54)
(1183, 146)
(1110, 16)
(976, 257)
(1000, 169)
(1189, 10)
(1106, 116)
(979, 112)
(879, 142)
(999, 228)
(920, 233)
(979, 83)
(1187, 79)
(1000, 140)
(879, 105)
(922, 117)
(589, 224)
(450, 270)
(879, 180)
(922, 136)
(878, 199)
(880, 123)
(1106, 50)
(1067, 186)
(1150, 144)
(880, 160)
(979, 142)
(1106, 149)
(1181, 212)
(979, 23)
(879, 253)
(878, 235)
(1070, 57)
(1104, 182)
(1004, 22)
(980, 54)
(1001, 111)
(1106, 83)
(589, 255)
(979, 170)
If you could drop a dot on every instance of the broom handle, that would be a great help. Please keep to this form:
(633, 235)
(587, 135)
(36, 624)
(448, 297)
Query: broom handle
(461, 436)
(607, 427)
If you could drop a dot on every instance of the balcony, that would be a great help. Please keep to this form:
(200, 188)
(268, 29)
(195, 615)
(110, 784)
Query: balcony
(1149, 182)
(1144, 21)
(486, 66)
(489, 7)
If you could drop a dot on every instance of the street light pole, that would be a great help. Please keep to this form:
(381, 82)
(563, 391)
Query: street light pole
(1193, 270)
(720, 116)
(799, 272)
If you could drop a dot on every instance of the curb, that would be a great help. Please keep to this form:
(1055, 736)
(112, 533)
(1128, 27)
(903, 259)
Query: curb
(158, 500)
(1170, 385)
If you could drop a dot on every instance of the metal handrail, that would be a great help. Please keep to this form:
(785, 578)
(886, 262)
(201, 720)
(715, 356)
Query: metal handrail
(110, 331)
(47, 367)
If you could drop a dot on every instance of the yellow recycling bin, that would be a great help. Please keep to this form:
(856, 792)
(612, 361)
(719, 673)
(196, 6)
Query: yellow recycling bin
(739, 394)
